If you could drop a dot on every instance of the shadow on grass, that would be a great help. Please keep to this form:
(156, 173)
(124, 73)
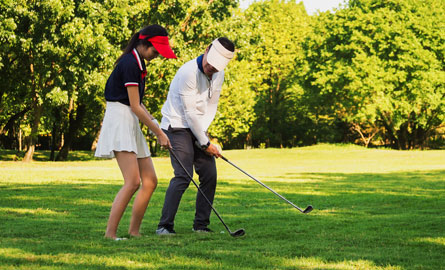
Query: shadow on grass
(44, 155)
(366, 221)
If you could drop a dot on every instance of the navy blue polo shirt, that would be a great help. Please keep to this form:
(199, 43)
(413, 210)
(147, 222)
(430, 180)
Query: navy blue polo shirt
(129, 71)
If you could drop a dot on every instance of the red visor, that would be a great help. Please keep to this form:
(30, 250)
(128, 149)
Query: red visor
(161, 45)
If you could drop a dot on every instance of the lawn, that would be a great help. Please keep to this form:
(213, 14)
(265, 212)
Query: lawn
(373, 209)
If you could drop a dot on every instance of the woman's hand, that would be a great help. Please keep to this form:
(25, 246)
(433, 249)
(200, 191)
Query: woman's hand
(163, 140)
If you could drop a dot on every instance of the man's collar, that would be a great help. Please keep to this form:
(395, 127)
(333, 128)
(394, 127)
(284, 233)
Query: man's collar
(199, 62)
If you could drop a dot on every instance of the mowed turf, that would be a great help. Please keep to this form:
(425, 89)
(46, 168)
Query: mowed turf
(373, 209)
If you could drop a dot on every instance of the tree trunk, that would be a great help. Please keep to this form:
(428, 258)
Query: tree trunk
(96, 139)
(11, 121)
(20, 139)
(36, 108)
(74, 126)
(37, 111)
(365, 139)
(402, 136)
(55, 133)
(390, 130)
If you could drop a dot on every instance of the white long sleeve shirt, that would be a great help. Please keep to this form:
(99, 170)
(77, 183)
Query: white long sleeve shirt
(188, 104)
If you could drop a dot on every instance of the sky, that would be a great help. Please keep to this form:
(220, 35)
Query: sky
(311, 5)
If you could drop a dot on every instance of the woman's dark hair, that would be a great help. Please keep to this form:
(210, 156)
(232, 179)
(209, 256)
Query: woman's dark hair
(148, 31)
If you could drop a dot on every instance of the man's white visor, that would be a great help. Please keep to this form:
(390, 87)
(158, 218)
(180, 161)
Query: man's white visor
(218, 56)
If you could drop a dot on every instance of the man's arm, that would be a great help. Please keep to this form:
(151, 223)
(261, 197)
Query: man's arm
(188, 93)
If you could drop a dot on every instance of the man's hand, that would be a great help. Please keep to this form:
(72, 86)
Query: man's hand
(213, 150)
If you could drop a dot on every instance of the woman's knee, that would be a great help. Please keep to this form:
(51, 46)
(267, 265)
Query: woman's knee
(133, 185)
(150, 183)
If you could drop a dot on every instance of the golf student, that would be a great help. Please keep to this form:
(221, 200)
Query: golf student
(121, 135)
(186, 115)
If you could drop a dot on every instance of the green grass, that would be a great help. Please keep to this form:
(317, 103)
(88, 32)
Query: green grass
(374, 209)
(44, 155)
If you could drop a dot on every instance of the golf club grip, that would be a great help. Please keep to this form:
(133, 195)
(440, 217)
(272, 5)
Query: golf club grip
(259, 182)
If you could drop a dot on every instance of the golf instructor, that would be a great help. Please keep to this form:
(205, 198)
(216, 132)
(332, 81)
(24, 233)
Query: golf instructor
(187, 113)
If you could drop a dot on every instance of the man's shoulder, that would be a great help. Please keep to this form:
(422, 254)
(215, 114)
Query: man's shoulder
(220, 74)
(190, 65)
(188, 70)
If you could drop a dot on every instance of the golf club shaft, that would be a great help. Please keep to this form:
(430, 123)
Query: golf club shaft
(200, 190)
(259, 182)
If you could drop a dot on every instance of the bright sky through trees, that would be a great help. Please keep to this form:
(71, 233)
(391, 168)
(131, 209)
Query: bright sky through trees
(312, 6)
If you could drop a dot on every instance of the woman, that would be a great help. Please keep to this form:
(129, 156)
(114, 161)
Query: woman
(121, 135)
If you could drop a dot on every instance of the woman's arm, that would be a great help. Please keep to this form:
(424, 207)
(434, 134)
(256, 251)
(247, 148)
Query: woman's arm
(145, 117)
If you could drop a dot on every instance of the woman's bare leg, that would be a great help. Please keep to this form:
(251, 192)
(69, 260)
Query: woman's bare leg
(149, 183)
(129, 166)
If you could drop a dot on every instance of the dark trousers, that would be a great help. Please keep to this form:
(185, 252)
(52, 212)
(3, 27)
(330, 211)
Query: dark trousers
(183, 143)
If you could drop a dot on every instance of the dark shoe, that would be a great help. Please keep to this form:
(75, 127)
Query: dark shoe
(202, 230)
(165, 231)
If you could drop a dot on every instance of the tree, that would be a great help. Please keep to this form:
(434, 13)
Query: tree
(91, 40)
(274, 30)
(33, 49)
(69, 47)
(378, 66)
(13, 105)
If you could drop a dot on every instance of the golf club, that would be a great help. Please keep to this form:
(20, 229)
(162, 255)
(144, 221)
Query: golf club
(305, 211)
(236, 233)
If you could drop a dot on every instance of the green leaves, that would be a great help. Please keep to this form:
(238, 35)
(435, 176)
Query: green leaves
(268, 40)
(373, 70)
(374, 67)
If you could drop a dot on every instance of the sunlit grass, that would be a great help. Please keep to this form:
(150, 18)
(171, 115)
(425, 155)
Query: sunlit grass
(374, 209)
(317, 263)
(437, 240)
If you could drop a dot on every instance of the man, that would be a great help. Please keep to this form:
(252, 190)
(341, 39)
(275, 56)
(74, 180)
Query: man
(186, 115)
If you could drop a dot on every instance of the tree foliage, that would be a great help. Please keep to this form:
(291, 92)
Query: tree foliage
(379, 65)
(268, 37)
(371, 73)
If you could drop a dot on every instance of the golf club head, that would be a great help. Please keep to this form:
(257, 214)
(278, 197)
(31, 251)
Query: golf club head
(238, 233)
(308, 209)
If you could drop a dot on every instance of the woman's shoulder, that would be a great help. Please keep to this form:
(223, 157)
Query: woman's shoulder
(127, 60)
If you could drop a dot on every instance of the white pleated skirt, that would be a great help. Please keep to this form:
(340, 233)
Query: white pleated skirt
(121, 132)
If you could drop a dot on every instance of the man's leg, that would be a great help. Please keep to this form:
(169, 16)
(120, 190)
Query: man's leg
(182, 143)
(205, 167)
